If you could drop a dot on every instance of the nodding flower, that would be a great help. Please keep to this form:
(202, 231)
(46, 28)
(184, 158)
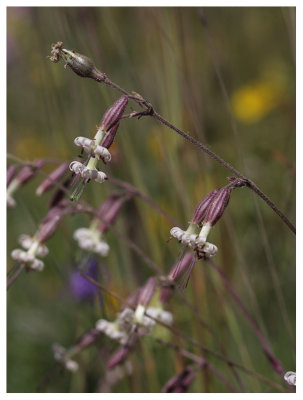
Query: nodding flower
(141, 320)
(92, 238)
(206, 215)
(15, 181)
(34, 245)
(97, 148)
(182, 267)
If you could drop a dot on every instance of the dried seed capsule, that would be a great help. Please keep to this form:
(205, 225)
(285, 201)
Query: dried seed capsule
(81, 65)
(114, 114)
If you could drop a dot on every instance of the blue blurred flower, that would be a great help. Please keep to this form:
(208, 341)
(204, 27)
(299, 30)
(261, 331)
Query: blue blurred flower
(80, 287)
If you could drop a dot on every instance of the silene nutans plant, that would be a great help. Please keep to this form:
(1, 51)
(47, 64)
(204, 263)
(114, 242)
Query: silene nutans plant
(140, 322)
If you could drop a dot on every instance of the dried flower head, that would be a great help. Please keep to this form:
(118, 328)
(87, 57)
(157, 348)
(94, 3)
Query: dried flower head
(80, 64)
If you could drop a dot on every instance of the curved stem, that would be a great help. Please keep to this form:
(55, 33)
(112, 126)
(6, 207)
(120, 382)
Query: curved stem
(151, 112)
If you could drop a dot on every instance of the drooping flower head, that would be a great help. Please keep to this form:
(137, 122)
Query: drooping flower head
(14, 181)
(206, 215)
(97, 148)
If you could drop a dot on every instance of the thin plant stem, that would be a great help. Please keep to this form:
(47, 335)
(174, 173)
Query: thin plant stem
(147, 199)
(265, 345)
(240, 151)
(212, 333)
(15, 276)
(249, 183)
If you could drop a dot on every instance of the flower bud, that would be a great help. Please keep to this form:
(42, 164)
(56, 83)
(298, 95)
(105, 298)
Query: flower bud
(147, 292)
(181, 266)
(88, 338)
(113, 114)
(217, 206)
(48, 228)
(28, 172)
(145, 297)
(201, 209)
(118, 357)
(49, 182)
(110, 215)
(10, 174)
(110, 136)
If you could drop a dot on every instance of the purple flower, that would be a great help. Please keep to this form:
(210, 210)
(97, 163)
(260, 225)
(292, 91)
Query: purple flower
(80, 287)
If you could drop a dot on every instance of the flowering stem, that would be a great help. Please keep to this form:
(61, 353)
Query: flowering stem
(92, 164)
(249, 183)
(182, 335)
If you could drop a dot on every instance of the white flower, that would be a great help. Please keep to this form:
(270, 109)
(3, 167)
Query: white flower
(112, 330)
(196, 242)
(86, 172)
(61, 355)
(34, 248)
(90, 147)
(290, 378)
(90, 240)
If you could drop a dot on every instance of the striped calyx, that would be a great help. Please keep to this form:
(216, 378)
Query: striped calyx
(110, 136)
(217, 205)
(201, 209)
(114, 114)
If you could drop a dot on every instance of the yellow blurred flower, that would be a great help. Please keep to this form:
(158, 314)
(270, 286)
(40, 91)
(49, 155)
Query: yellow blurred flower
(252, 102)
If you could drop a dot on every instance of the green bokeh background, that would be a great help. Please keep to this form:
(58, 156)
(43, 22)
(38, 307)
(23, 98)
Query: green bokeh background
(165, 54)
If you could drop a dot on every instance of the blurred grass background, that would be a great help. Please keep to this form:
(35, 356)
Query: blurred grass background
(164, 54)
